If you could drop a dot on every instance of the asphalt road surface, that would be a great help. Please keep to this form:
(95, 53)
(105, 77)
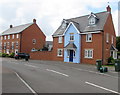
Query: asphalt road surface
(19, 76)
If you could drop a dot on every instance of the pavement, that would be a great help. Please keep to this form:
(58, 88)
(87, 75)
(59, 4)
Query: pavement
(56, 77)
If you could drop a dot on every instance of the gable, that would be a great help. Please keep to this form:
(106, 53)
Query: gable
(71, 29)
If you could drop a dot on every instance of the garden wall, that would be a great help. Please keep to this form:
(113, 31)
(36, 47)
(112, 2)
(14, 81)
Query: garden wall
(41, 55)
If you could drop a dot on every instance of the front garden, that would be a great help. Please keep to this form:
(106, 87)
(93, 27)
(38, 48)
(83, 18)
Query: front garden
(11, 55)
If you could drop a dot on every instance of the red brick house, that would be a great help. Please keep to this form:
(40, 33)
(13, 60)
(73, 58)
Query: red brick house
(22, 38)
(85, 39)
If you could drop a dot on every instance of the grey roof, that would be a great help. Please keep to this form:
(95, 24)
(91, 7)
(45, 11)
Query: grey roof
(71, 46)
(82, 23)
(49, 42)
(16, 29)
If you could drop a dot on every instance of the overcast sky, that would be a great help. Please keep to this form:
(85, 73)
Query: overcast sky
(50, 13)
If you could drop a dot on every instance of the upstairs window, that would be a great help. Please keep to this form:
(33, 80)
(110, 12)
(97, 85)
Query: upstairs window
(8, 36)
(92, 21)
(13, 36)
(17, 36)
(89, 37)
(5, 44)
(8, 43)
(34, 41)
(107, 37)
(12, 45)
(112, 39)
(4, 37)
(71, 37)
(60, 39)
(16, 44)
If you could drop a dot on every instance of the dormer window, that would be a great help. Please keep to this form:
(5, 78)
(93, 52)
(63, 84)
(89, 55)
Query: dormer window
(92, 21)
(64, 23)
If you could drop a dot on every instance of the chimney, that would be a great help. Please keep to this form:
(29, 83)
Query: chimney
(108, 9)
(11, 26)
(34, 20)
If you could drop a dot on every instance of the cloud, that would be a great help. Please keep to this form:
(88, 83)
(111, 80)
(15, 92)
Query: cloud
(49, 13)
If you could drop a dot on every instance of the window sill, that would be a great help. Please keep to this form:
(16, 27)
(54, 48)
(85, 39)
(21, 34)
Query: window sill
(59, 56)
(88, 58)
(89, 41)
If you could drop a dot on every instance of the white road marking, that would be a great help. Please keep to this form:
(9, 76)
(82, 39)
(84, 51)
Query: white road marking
(31, 66)
(95, 72)
(57, 72)
(102, 87)
(26, 84)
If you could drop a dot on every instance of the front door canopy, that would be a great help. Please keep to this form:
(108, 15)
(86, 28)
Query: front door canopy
(112, 48)
(71, 46)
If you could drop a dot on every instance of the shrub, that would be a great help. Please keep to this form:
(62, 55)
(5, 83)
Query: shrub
(0, 54)
(45, 49)
(4, 54)
(111, 60)
(12, 55)
(7, 55)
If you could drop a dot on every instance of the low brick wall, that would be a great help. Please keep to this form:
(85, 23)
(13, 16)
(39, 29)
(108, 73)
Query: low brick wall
(41, 55)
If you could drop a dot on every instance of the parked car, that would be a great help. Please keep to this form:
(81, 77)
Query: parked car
(21, 55)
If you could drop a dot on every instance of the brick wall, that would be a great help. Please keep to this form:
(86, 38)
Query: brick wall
(96, 45)
(15, 39)
(33, 32)
(108, 28)
(42, 55)
(57, 46)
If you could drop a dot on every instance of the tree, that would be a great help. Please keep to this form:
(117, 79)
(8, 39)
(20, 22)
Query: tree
(118, 43)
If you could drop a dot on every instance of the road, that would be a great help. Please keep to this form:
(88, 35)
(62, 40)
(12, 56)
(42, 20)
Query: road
(19, 76)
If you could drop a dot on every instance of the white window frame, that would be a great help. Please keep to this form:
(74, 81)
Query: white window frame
(13, 36)
(34, 41)
(8, 43)
(60, 54)
(17, 36)
(113, 54)
(88, 53)
(60, 39)
(17, 44)
(4, 45)
(107, 37)
(71, 37)
(89, 37)
(92, 21)
(4, 37)
(8, 36)
(63, 25)
(112, 39)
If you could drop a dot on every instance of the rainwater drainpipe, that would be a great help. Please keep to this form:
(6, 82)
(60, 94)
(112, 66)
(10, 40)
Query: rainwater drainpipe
(102, 46)
(20, 41)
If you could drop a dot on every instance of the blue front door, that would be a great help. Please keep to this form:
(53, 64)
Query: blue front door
(71, 56)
